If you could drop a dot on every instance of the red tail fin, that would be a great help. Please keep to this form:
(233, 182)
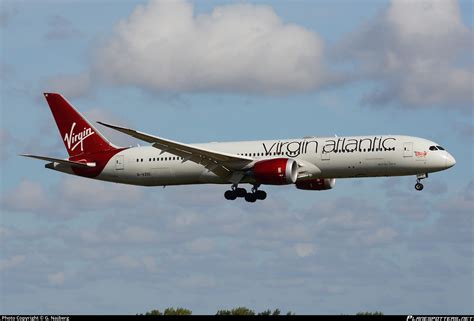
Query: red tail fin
(79, 136)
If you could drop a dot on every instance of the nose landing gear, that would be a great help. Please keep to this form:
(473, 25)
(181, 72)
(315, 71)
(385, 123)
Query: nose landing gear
(419, 177)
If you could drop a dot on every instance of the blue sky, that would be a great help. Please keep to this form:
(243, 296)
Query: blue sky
(212, 70)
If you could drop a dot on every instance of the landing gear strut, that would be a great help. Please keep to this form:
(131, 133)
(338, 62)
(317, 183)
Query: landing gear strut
(251, 197)
(419, 177)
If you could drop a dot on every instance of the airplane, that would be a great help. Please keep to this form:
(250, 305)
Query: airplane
(309, 163)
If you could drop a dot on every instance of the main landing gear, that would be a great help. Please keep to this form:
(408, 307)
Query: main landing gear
(419, 177)
(251, 197)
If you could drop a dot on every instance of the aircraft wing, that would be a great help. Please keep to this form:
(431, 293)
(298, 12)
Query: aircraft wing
(62, 161)
(221, 164)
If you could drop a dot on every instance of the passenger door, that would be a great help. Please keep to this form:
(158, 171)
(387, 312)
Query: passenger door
(119, 162)
(408, 149)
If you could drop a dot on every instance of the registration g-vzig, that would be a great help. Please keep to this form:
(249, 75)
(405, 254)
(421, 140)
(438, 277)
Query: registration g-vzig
(310, 163)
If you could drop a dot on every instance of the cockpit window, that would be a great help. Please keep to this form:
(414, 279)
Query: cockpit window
(440, 148)
(433, 148)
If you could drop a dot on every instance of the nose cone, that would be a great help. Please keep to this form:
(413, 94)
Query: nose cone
(450, 161)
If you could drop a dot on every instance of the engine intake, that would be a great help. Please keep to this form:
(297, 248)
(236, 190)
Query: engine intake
(316, 184)
(278, 171)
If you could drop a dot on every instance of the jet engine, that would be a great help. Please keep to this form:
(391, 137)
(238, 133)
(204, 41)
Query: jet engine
(316, 184)
(278, 171)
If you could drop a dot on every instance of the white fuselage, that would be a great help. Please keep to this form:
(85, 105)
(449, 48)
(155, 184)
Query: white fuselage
(317, 157)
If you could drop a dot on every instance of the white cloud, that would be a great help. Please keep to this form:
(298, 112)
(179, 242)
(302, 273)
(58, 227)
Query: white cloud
(7, 72)
(60, 28)
(334, 239)
(4, 233)
(115, 137)
(420, 53)
(185, 219)
(69, 85)
(198, 281)
(6, 141)
(417, 54)
(437, 187)
(166, 46)
(410, 208)
(8, 11)
(27, 196)
(139, 234)
(12, 262)
(149, 263)
(125, 261)
(76, 190)
(381, 236)
(305, 249)
(69, 194)
(201, 245)
(57, 278)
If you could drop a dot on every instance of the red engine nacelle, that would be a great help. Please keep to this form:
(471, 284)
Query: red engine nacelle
(278, 171)
(317, 184)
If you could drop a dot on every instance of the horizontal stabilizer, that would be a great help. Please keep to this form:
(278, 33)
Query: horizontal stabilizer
(62, 161)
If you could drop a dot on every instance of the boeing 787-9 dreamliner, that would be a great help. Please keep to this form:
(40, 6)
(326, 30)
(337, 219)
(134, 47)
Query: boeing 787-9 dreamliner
(309, 163)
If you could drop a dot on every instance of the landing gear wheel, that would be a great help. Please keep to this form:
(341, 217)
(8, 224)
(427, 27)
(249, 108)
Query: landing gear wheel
(240, 192)
(250, 197)
(418, 186)
(261, 195)
(230, 195)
